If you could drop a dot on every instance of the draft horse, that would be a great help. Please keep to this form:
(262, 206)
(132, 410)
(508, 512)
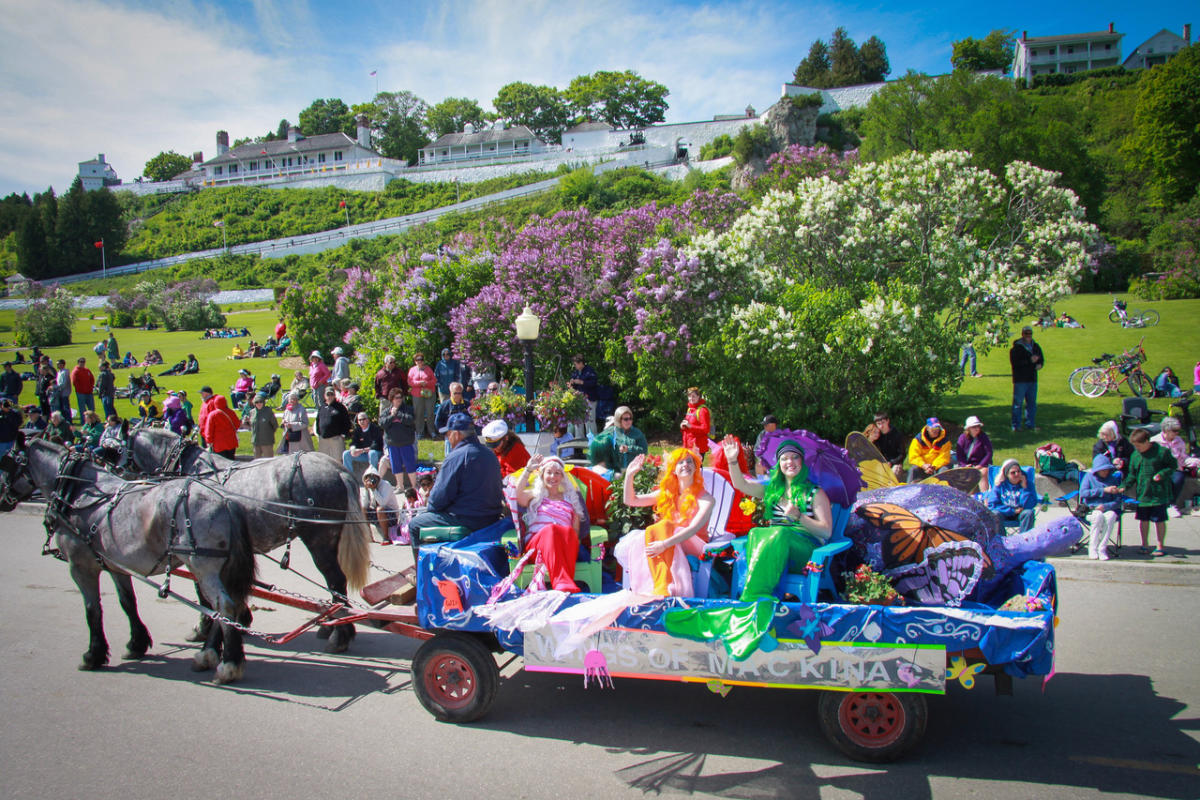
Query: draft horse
(102, 523)
(307, 495)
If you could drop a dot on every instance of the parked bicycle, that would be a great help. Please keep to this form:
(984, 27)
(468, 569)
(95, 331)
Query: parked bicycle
(1075, 379)
(1131, 317)
(1125, 369)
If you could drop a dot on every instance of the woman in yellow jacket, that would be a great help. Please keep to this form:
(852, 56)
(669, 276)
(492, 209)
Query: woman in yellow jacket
(929, 451)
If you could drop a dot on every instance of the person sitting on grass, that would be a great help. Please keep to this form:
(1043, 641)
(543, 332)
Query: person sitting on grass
(1012, 498)
(147, 408)
(1149, 476)
(974, 449)
(112, 440)
(59, 430)
(929, 451)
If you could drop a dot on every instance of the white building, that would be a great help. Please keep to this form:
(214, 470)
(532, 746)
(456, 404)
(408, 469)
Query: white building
(1158, 48)
(298, 159)
(1075, 52)
(495, 143)
(97, 173)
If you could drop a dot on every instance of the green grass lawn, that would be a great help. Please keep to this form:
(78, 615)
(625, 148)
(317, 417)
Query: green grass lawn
(1062, 416)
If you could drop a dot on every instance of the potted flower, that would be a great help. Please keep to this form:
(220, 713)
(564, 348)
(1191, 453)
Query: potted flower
(865, 586)
(559, 406)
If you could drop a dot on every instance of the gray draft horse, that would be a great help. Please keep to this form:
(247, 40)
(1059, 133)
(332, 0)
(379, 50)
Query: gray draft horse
(305, 495)
(101, 522)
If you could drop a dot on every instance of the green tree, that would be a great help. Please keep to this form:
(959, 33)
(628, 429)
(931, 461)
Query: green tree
(814, 69)
(622, 99)
(400, 119)
(166, 165)
(986, 116)
(452, 114)
(542, 109)
(46, 321)
(326, 116)
(994, 51)
(1166, 128)
(842, 62)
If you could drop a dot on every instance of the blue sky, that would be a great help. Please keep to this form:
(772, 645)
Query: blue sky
(130, 79)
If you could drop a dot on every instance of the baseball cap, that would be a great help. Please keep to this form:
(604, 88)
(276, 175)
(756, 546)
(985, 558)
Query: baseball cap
(458, 422)
(769, 419)
(1027, 329)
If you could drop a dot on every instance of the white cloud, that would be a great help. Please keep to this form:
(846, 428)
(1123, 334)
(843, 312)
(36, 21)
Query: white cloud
(83, 77)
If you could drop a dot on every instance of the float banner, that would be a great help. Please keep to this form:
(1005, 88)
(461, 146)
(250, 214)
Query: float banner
(655, 655)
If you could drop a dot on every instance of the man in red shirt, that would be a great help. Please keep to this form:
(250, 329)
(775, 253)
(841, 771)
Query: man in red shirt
(206, 396)
(390, 377)
(84, 383)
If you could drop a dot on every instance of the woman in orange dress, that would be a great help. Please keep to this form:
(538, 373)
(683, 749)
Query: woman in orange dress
(655, 560)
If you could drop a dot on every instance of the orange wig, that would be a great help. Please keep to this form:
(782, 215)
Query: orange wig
(670, 504)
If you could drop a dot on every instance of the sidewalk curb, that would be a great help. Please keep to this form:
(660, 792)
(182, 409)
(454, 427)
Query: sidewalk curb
(1167, 571)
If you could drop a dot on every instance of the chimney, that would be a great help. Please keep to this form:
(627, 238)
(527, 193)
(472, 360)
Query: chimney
(1187, 33)
(1110, 27)
(1024, 35)
(468, 128)
(293, 134)
(222, 142)
(364, 131)
(198, 157)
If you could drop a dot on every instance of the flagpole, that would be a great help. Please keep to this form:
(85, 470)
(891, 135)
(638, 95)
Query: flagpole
(103, 260)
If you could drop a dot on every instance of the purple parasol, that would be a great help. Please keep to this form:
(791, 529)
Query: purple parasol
(829, 466)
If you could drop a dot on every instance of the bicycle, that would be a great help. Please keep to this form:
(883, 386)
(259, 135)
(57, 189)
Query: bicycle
(1075, 379)
(1126, 369)
(1131, 317)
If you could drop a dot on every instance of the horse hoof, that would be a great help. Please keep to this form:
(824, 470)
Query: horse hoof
(228, 672)
(92, 661)
(337, 646)
(204, 660)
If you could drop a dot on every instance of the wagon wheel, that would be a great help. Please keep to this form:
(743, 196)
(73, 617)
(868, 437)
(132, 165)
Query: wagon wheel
(455, 677)
(872, 726)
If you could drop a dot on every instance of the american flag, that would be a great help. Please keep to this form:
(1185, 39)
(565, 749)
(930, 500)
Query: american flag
(373, 72)
(219, 224)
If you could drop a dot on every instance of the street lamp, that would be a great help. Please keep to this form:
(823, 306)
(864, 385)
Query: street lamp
(224, 241)
(528, 326)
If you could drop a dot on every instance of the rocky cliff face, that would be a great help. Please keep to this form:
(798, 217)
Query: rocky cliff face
(788, 125)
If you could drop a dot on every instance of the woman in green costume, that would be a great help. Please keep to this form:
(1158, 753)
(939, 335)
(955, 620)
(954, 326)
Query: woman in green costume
(798, 515)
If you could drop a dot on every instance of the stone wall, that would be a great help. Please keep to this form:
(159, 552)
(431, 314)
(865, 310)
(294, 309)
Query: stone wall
(838, 99)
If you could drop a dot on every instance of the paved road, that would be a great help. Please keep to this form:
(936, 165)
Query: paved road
(1119, 718)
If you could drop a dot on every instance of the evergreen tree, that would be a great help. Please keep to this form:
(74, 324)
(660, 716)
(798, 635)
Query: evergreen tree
(814, 69)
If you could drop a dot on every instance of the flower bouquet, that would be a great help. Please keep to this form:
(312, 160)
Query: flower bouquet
(557, 406)
(622, 518)
(865, 586)
(504, 404)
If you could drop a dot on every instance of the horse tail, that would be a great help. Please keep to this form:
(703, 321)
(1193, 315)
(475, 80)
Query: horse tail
(239, 570)
(354, 544)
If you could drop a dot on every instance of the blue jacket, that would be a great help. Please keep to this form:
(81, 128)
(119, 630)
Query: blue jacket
(469, 485)
(1091, 488)
(447, 372)
(1010, 498)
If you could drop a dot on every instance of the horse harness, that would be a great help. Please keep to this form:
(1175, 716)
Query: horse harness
(58, 519)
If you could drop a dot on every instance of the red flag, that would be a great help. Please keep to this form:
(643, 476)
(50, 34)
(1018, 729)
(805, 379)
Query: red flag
(99, 244)
(342, 204)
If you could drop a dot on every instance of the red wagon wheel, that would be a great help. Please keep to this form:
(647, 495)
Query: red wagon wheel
(872, 726)
(455, 677)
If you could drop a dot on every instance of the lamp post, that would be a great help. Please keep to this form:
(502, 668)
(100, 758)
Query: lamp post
(528, 326)
(224, 241)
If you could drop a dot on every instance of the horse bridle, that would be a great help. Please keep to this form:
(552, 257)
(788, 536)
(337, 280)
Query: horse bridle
(13, 463)
(171, 464)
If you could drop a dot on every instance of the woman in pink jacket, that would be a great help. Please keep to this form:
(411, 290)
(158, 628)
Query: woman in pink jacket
(318, 376)
(422, 383)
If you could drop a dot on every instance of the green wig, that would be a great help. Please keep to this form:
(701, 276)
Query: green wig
(801, 492)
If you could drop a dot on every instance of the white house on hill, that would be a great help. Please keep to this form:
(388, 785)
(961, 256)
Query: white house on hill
(97, 173)
(494, 143)
(1158, 48)
(298, 158)
(1070, 53)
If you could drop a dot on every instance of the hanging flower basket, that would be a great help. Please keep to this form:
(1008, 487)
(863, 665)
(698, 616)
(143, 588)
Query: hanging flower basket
(555, 407)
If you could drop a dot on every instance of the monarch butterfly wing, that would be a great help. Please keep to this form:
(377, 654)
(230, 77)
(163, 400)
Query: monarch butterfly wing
(965, 479)
(905, 540)
(874, 467)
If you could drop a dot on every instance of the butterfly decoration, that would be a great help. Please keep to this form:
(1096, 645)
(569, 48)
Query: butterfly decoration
(910, 674)
(718, 687)
(809, 628)
(877, 472)
(962, 672)
(908, 536)
(945, 576)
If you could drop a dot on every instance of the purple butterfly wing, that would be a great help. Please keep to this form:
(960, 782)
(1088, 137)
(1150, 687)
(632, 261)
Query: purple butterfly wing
(944, 577)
